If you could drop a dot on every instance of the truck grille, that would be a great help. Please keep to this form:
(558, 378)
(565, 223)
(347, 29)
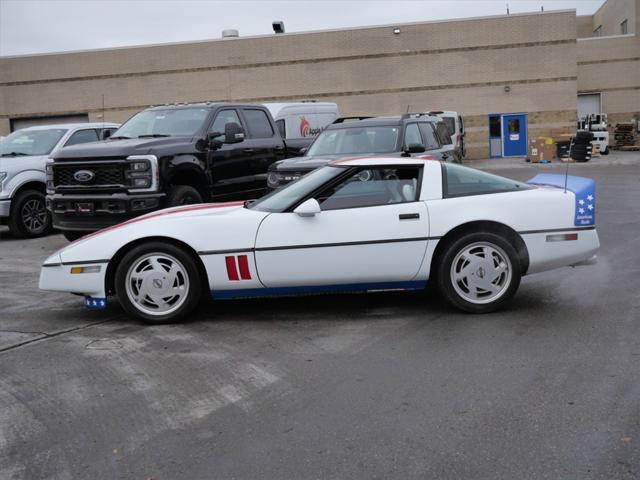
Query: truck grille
(104, 175)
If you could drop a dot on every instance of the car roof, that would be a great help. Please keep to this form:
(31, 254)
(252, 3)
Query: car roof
(210, 105)
(383, 121)
(375, 161)
(69, 126)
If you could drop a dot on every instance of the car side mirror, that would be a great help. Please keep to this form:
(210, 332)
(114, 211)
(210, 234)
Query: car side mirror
(233, 133)
(106, 134)
(415, 148)
(303, 151)
(308, 208)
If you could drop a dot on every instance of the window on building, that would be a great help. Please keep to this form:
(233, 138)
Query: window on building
(82, 136)
(258, 123)
(598, 32)
(495, 126)
(624, 27)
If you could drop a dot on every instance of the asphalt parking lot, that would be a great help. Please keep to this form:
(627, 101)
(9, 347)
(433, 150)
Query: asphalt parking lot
(379, 386)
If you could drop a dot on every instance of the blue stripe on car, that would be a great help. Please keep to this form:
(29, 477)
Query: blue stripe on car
(316, 289)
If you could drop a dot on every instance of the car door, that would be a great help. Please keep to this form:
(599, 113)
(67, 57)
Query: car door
(371, 230)
(263, 147)
(228, 168)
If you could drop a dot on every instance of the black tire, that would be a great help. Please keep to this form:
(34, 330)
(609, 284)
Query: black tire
(183, 195)
(73, 235)
(29, 217)
(510, 278)
(193, 285)
(605, 151)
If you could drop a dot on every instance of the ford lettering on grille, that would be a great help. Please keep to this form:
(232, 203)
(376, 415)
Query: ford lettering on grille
(84, 176)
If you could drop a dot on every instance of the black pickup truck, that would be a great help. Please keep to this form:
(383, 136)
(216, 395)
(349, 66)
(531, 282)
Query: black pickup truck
(165, 156)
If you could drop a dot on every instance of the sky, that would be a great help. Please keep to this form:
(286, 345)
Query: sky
(41, 26)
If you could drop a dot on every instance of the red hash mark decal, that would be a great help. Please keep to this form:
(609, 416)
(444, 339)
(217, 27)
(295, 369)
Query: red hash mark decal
(242, 265)
(232, 271)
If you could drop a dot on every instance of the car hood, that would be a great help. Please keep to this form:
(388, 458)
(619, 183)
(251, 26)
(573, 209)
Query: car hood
(203, 227)
(121, 148)
(18, 164)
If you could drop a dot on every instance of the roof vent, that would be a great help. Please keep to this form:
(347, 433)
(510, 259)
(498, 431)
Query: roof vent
(230, 33)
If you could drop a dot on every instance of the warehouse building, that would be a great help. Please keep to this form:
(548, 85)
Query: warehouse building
(512, 77)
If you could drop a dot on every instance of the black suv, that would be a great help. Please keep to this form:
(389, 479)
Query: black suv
(418, 134)
(165, 156)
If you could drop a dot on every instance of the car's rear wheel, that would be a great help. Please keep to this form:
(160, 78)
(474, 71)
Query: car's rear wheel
(158, 283)
(29, 216)
(479, 272)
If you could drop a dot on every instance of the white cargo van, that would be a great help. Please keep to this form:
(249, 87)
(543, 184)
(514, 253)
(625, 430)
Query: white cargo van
(456, 124)
(302, 119)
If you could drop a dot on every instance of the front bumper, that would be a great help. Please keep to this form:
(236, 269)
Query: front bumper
(107, 209)
(56, 276)
(5, 208)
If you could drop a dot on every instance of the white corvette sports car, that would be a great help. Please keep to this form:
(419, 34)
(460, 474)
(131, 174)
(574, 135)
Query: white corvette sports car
(361, 224)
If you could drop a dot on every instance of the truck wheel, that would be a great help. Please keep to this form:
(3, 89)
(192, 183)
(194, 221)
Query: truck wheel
(479, 272)
(73, 235)
(183, 195)
(158, 283)
(29, 217)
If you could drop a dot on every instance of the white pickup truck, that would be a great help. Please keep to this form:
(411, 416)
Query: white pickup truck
(23, 157)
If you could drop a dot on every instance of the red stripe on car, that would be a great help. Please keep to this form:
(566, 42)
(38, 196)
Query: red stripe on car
(243, 263)
(232, 271)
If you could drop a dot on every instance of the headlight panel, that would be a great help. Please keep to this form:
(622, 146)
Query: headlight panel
(141, 173)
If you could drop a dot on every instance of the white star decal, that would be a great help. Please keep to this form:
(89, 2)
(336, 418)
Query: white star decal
(590, 198)
(94, 303)
(590, 207)
(581, 210)
(581, 202)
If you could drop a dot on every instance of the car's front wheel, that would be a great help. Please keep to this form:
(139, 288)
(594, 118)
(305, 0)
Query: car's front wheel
(479, 272)
(29, 216)
(158, 283)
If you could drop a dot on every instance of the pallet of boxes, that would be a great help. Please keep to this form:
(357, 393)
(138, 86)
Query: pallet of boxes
(625, 138)
(541, 150)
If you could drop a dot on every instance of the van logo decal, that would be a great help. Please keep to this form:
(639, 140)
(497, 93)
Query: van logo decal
(306, 130)
(84, 176)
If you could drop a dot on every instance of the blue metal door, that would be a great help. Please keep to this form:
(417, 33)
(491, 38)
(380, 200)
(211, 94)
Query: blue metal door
(514, 135)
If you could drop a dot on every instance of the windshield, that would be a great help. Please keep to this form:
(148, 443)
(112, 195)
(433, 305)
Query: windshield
(163, 123)
(31, 142)
(356, 140)
(279, 200)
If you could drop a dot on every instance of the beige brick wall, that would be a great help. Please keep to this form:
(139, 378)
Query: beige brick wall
(457, 65)
(611, 66)
(611, 14)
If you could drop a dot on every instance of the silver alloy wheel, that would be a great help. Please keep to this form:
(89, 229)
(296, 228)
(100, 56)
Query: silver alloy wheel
(157, 284)
(481, 273)
(34, 216)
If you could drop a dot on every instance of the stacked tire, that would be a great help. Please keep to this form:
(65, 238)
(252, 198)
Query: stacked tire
(581, 148)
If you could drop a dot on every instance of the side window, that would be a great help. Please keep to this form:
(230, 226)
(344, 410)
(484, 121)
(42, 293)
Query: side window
(222, 118)
(82, 136)
(428, 133)
(412, 135)
(372, 187)
(281, 128)
(459, 180)
(258, 123)
(443, 133)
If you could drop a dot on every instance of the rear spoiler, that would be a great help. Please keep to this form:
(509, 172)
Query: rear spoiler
(583, 188)
(350, 119)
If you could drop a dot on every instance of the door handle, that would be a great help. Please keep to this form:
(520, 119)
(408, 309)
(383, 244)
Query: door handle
(409, 216)
(248, 150)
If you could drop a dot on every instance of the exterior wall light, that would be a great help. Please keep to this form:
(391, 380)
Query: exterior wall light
(507, 88)
(396, 31)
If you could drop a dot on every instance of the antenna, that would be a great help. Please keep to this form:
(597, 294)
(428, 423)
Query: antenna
(408, 108)
(566, 171)
(103, 112)
(507, 9)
